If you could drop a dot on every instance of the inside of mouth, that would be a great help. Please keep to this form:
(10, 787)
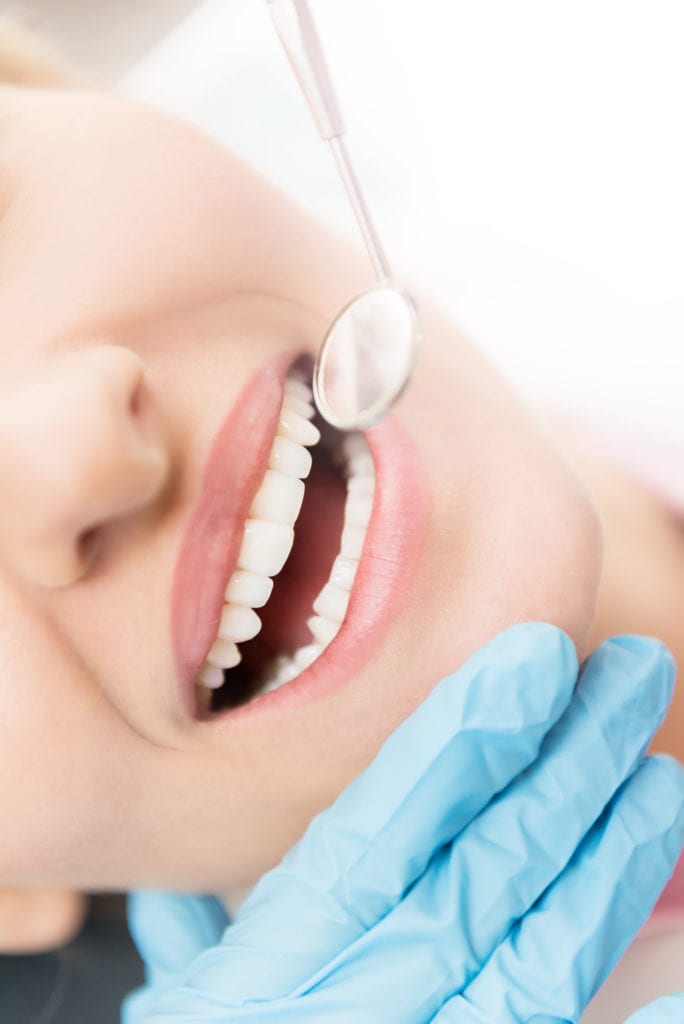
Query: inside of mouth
(317, 535)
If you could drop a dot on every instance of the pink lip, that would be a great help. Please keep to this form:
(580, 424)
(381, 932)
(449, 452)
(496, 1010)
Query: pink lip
(394, 540)
(208, 554)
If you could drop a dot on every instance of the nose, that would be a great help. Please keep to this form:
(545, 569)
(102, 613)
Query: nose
(81, 448)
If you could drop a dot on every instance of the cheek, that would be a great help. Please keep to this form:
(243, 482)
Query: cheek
(58, 749)
(106, 237)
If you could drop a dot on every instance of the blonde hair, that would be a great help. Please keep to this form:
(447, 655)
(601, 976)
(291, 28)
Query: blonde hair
(27, 59)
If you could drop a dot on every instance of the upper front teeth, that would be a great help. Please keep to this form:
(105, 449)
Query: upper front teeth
(265, 546)
(249, 588)
(279, 498)
(289, 456)
(268, 538)
(268, 535)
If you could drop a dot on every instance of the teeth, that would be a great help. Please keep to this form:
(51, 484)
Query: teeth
(332, 602)
(359, 459)
(294, 427)
(268, 538)
(352, 541)
(296, 387)
(249, 588)
(306, 656)
(265, 546)
(357, 510)
(268, 533)
(210, 676)
(238, 623)
(343, 572)
(279, 498)
(223, 653)
(322, 628)
(290, 457)
(300, 407)
(284, 670)
(361, 485)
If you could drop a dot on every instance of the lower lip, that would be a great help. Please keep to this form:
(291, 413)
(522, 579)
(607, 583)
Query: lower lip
(394, 540)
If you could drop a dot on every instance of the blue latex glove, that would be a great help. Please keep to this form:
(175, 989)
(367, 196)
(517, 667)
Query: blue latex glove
(669, 1010)
(421, 895)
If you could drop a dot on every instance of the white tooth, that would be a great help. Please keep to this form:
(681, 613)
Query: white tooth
(343, 572)
(224, 653)
(305, 656)
(323, 629)
(357, 510)
(297, 428)
(275, 684)
(355, 444)
(289, 457)
(303, 408)
(332, 602)
(358, 456)
(361, 464)
(210, 676)
(281, 664)
(249, 589)
(295, 386)
(279, 498)
(238, 623)
(265, 546)
(361, 485)
(286, 669)
(352, 541)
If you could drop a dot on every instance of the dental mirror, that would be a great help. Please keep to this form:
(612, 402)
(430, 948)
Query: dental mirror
(367, 356)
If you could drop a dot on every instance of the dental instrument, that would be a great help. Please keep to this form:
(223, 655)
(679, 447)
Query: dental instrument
(368, 353)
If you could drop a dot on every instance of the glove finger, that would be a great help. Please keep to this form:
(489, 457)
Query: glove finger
(669, 1010)
(553, 961)
(550, 963)
(475, 889)
(464, 743)
(138, 1004)
(170, 930)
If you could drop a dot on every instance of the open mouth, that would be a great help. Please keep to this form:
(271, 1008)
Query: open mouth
(302, 541)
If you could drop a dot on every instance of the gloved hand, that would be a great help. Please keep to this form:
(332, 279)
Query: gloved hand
(489, 866)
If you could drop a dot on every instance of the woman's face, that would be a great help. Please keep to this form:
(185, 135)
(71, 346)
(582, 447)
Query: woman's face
(154, 292)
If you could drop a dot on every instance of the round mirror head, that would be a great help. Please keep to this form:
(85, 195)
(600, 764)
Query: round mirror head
(366, 357)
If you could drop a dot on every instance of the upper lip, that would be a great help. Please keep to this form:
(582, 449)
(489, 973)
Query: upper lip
(208, 552)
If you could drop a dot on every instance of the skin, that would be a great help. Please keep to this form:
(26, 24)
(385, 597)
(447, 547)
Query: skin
(137, 322)
(147, 274)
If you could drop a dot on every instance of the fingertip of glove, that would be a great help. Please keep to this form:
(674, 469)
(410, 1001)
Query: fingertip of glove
(531, 665)
(647, 659)
(170, 929)
(671, 769)
(538, 644)
(533, 652)
(658, 785)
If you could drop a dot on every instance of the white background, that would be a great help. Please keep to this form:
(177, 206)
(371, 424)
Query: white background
(524, 158)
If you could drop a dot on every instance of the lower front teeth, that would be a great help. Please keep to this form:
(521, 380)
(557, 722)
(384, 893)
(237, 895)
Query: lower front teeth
(268, 539)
